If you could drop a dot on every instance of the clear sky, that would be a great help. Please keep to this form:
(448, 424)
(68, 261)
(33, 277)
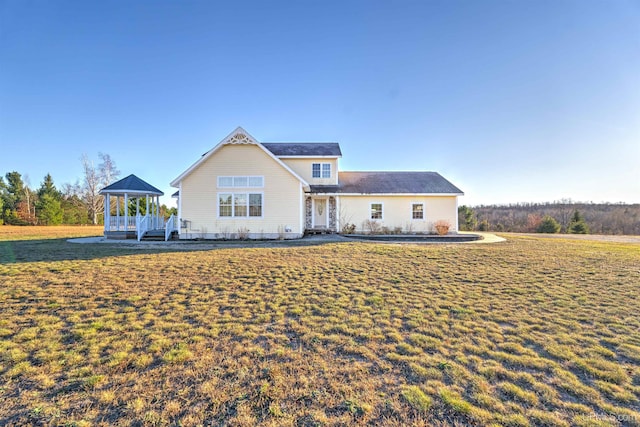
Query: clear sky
(512, 101)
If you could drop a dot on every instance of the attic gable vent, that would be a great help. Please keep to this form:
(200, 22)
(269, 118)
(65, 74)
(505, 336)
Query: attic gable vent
(240, 136)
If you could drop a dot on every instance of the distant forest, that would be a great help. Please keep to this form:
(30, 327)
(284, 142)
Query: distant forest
(72, 204)
(556, 217)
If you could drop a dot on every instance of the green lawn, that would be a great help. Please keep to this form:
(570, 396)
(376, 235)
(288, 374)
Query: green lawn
(532, 331)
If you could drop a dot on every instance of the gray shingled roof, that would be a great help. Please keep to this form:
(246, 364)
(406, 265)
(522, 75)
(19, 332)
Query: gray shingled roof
(303, 148)
(132, 185)
(319, 189)
(395, 182)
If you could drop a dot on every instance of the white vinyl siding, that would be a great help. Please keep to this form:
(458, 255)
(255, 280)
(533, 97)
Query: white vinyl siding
(397, 211)
(304, 168)
(281, 195)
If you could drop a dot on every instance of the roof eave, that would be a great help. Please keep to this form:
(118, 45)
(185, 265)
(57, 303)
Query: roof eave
(132, 192)
(291, 156)
(403, 194)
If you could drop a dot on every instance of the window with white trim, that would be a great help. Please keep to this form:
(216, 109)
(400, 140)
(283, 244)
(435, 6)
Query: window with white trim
(240, 181)
(321, 170)
(417, 211)
(326, 170)
(376, 211)
(239, 205)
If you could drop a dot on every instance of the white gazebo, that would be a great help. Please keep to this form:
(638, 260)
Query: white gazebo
(126, 226)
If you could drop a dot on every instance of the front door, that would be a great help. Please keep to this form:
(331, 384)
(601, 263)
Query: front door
(320, 213)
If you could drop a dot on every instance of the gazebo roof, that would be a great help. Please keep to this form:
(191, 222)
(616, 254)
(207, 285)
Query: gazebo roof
(131, 185)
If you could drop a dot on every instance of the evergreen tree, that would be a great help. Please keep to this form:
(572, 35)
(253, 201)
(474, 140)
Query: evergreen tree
(578, 224)
(3, 191)
(49, 207)
(467, 218)
(49, 210)
(74, 209)
(548, 225)
(48, 187)
(17, 200)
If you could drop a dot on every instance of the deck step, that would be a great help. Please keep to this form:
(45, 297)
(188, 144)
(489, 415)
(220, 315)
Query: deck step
(154, 235)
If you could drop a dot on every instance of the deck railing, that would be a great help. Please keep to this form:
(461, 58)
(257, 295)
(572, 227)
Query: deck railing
(170, 227)
(142, 226)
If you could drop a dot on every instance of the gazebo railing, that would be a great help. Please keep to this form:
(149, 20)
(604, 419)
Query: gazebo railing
(122, 223)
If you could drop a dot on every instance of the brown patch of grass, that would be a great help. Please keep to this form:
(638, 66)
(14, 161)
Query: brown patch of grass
(528, 332)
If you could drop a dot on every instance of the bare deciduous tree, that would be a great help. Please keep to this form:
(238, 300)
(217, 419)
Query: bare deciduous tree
(95, 178)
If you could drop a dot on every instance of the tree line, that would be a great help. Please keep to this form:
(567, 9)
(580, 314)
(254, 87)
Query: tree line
(555, 217)
(76, 203)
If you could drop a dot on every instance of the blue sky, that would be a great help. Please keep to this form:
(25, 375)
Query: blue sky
(512, 101)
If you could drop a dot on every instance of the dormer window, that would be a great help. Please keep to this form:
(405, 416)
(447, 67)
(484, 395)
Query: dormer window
(321, 170)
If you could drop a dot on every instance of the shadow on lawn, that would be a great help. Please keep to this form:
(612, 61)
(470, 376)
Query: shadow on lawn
(44, 250)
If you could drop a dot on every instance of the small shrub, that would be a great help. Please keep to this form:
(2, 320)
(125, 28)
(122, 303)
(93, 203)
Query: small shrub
(243, 233)
(548, 225)
(371, 226)
(442, 227)
(348, 228)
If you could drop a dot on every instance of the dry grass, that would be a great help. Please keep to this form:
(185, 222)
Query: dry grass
(8, 232)
(533, 332)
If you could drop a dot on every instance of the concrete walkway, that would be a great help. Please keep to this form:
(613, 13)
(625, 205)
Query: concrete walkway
(486, 237)
(314, 239)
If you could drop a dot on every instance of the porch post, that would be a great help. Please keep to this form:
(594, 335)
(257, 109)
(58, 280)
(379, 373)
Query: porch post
(137, 206)
(338, 227)
(126, 213)
(118, 213)
(107, 212)
(146, 213)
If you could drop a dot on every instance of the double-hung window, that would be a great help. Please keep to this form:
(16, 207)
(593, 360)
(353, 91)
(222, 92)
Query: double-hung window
(326, 170)
(376, 210)
(417, 211)
(321, 170)
(239, 205)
